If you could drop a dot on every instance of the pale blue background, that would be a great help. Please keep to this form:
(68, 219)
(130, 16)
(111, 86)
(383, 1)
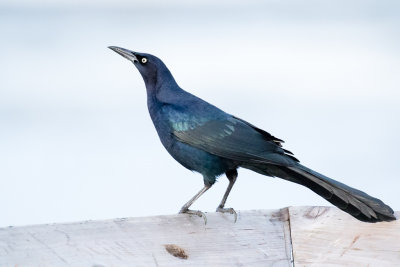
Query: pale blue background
(76, 140)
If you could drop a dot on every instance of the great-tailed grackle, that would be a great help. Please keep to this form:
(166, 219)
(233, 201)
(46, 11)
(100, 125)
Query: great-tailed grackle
(207, 140)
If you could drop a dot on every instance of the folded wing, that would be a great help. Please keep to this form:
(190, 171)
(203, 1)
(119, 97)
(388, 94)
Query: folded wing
(235, 139)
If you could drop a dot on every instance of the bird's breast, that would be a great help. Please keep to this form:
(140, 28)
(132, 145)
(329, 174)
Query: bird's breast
(192, 158)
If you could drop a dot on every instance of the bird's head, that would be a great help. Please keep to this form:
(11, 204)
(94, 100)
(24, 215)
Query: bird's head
(150, 67)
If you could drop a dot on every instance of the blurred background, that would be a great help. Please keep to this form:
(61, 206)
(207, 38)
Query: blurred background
(76, 140)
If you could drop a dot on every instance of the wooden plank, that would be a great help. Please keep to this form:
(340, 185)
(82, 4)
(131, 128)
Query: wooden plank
(258, 238)
(329, 237)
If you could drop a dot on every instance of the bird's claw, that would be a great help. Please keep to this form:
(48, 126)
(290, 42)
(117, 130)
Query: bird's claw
(195, 212)
(227, 210)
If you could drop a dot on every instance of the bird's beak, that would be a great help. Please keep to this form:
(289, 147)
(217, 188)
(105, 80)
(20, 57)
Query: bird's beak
(128, 54)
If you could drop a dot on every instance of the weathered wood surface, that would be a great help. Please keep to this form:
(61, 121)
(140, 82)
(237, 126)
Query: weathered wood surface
(326, 236)
(316, 235)
(258, 238)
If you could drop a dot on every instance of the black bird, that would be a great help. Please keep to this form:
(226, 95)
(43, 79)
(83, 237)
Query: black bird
(207, 140)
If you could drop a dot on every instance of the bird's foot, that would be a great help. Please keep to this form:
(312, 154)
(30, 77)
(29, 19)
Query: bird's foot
(227, 210)
(195, 212)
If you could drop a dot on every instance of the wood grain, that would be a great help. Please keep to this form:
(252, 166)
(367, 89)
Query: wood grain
(326, 236)
(305, 236)
(258, 238)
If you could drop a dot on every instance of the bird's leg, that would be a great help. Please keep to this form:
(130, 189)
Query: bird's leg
(231, 175)
(185, 208)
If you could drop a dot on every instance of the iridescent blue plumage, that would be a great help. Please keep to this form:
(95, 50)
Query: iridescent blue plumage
(207, 140)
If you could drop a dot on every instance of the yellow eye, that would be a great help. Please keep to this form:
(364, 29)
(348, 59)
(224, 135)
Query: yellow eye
(144, 60)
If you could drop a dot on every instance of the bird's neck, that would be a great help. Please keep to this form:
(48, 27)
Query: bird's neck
(162, 87)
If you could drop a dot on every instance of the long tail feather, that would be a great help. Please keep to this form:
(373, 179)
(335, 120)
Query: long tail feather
(353, 201)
